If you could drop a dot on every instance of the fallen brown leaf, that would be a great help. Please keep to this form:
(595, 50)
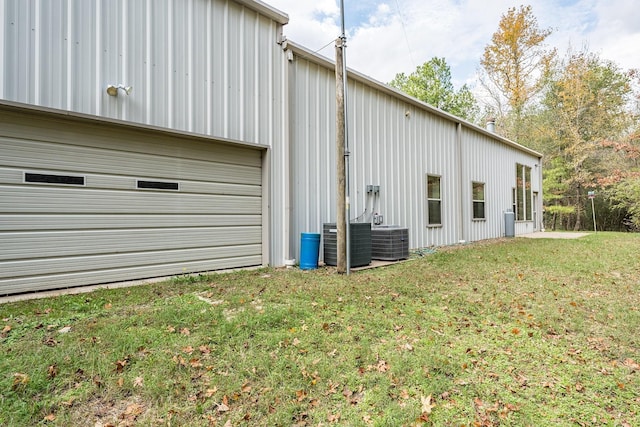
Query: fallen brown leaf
(427, 405)
(334, 418)
(50, 342)
(133, 409)
(52, 371)
(19, 380)
(68, 403)
(333, 388)
(301, 395)
(223, 406)
(630, 363)
(120, 364)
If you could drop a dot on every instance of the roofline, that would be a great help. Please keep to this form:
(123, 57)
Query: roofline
(382, 87)
(266, 10)
(12, 106)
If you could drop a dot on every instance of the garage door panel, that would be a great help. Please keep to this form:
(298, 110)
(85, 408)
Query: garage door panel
(47, 266)
(64, 132)
(113, 182)
(32, 222)
(78, 159)
(17, 246)
(27, 199)
(67, 280)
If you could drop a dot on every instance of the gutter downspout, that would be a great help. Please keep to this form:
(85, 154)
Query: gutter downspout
(461, 217)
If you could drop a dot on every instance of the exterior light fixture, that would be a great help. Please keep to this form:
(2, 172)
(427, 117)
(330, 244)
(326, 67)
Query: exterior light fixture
(112, 90)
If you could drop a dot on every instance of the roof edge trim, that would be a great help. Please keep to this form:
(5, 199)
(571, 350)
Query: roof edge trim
(266, 10)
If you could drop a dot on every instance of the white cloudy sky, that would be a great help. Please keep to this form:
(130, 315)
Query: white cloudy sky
(385, 37)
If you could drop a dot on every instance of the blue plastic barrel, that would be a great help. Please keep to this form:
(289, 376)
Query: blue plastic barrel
(309, 250)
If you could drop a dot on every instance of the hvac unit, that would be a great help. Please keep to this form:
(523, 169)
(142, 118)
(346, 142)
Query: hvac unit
(360, 243)
(389, 243)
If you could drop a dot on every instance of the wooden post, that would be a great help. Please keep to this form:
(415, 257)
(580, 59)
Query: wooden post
(341, 223)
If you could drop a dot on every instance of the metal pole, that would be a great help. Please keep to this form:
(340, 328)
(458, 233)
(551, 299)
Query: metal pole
(343, 36)
(593, 211)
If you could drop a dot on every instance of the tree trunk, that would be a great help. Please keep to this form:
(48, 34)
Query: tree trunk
(578, 224)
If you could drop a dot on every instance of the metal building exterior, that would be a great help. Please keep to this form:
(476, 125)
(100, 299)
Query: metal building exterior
(395, 142)
(174, 177)
(221, 154)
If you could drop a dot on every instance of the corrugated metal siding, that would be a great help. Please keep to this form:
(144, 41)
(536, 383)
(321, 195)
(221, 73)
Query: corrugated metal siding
(394, 144)
(209, 67)
(203, 66)
(108, 229)
(488, 161)
(389, 148)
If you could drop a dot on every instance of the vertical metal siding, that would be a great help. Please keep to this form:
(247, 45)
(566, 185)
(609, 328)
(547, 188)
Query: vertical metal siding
(487, 160)
(204, 66)
(393, 144)
(211, 67)
(388, 148)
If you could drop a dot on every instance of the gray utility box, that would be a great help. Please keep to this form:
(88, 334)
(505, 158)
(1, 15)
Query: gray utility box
(360, 243)
(509, 224)
(389, 243)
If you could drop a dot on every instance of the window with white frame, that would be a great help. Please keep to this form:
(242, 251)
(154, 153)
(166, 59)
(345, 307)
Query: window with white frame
(522, 193)
(477, 190)
(434, 200)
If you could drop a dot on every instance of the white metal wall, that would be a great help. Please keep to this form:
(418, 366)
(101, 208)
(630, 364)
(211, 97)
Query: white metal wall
(394, 142)
(210, 67)
(205, 66)
(489, 161)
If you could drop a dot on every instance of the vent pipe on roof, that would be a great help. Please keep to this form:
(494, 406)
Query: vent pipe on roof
(491, 125)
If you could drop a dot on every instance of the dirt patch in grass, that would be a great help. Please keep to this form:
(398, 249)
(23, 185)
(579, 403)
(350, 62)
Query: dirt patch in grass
(102, 412)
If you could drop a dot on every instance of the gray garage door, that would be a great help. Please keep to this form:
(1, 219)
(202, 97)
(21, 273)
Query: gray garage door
(86, 203)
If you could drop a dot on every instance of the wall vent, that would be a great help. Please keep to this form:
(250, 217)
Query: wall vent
(43, 178)
(158, 185)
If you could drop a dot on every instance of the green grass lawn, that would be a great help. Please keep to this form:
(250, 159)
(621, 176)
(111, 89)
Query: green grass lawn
(512, 332)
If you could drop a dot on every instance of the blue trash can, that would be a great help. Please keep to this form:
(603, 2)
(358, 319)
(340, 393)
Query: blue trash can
(309, 250)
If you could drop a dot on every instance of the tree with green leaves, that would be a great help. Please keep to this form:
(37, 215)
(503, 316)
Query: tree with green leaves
(586, 106)
(554, 188)
(431, 83)
(514, 67)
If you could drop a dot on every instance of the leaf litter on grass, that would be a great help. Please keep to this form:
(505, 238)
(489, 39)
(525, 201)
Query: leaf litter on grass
(499, 333)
